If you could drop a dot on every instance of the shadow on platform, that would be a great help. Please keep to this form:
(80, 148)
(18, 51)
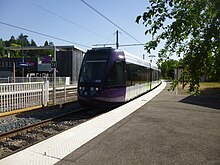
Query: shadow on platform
(203, 100)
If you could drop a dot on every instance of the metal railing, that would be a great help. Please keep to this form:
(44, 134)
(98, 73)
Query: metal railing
(60, 81)
(5, 80)
(15, 96)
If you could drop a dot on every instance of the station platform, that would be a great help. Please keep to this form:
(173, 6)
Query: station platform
(157, 128)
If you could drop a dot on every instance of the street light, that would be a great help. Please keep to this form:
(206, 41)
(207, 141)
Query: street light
(22, 46)
(54, 74)
(151, 57)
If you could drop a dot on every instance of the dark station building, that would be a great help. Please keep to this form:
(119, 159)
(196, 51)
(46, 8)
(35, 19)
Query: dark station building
(69, 60)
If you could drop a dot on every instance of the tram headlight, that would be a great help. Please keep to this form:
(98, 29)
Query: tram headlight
(81, 89)
(88, 91)
(92, 89)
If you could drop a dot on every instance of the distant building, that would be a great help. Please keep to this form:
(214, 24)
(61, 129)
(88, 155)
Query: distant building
(6, 66)
(68, 62)
(178, 73)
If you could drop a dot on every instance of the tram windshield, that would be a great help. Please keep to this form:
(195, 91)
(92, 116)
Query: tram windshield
(93, 71)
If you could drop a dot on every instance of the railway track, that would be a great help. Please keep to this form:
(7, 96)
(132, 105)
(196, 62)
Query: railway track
(21, 138)
(35, 125)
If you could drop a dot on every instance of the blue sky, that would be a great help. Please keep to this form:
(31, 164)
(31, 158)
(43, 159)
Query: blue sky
(82, 24)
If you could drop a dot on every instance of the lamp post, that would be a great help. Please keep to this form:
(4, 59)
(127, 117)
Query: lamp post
(54, 75)
(151, 76)
(22, 46)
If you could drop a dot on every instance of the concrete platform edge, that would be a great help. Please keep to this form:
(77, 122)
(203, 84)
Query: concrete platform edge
(57, 147)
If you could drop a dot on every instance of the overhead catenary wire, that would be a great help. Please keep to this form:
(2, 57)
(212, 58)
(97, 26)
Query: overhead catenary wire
(42, 34)
(109, 20)
(108, 42)
(132, 44)
(69, 21)
(73, 23)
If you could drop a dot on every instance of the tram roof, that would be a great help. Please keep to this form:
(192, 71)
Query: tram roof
(131, 58)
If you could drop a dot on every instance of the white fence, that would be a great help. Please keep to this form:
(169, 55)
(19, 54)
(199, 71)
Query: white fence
(60, 81)
(15, 96)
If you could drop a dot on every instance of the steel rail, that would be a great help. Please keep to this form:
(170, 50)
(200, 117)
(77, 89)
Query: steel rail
(38, 124)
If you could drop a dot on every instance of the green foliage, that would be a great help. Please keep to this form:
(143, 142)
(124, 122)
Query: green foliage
(46, 43)
(2, 52)
(22, 41)
(167, 68)
(189, 28)
(33, 43)
(173, 85)
(15, 53)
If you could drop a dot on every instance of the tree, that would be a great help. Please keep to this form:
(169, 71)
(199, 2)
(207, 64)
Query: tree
(12, 41)
(167, 68)
(46, 52)
(15, 53)
(2, 52)
(46, 43)
(189, 28)
(22, 40)
(33, 43)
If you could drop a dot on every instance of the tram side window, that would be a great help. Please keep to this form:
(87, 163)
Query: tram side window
(155, 75)
(137, 74)
(116, 76)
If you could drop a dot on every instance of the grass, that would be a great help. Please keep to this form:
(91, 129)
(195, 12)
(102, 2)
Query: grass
(210, 85)
(206, 88)
(210, 88)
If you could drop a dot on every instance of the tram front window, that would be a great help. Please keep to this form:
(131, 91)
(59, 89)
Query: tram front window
(93, 71)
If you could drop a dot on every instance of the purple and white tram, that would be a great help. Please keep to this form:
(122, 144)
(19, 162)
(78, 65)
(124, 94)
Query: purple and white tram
(110, 77)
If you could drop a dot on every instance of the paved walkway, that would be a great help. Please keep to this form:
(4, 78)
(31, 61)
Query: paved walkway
(170, 129)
